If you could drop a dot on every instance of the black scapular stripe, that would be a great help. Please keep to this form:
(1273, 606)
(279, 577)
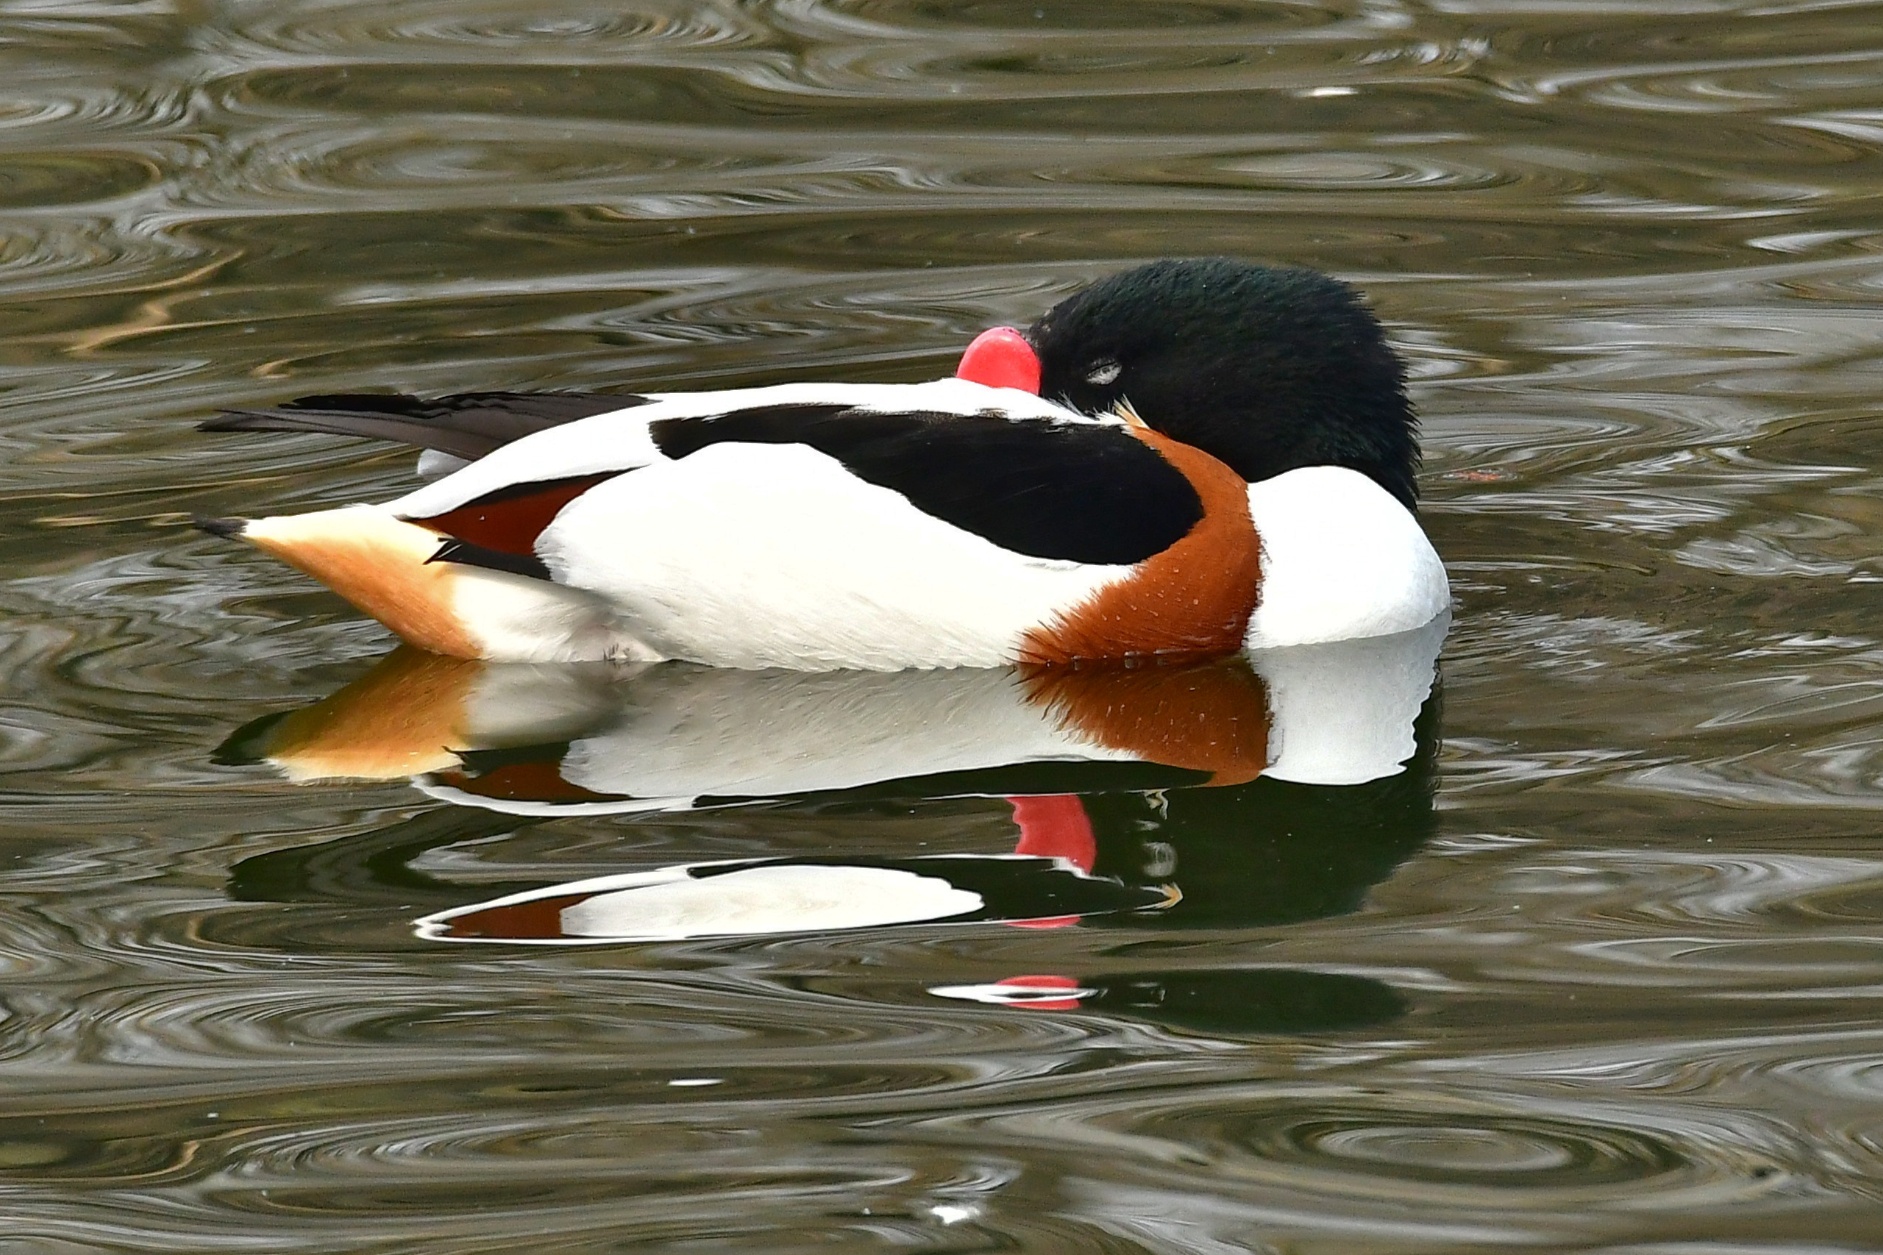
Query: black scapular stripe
(1074, 491)
(464, 553)
(464, 424)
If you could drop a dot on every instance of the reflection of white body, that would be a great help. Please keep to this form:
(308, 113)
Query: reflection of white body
(683, 733)
(659, 737)
(1342, 713)
(1339, 713)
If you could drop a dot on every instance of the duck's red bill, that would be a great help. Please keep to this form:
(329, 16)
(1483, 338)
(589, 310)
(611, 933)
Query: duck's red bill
(1000, 357)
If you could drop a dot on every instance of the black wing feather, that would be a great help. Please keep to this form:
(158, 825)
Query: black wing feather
(465, 424)
(1079, 492)
(465, 553)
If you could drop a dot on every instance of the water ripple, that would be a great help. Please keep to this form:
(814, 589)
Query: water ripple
(563, 31)
(1622, 1000)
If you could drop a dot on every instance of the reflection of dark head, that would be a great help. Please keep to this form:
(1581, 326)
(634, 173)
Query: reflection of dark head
(1269, 852)
(1235, 1002)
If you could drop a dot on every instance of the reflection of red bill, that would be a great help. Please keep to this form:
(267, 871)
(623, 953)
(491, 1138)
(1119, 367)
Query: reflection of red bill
(1054, 825)
(1035, 993)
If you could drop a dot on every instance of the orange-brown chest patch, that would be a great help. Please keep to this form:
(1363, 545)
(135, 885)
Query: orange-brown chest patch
(1192, 600)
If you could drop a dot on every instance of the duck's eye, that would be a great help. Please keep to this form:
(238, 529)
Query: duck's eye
(1102, 372)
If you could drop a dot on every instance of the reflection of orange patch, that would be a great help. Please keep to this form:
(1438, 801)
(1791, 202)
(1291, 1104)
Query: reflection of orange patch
(1192, 600)
(399, 719)
(1209, 716)
(378, 563)
(524, 782)
(539, 919)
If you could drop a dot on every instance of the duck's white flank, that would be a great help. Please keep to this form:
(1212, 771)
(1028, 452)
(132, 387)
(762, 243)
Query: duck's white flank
(777, 556)
(1341, 560)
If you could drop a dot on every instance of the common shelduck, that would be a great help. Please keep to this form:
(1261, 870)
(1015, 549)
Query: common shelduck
(1184, 460)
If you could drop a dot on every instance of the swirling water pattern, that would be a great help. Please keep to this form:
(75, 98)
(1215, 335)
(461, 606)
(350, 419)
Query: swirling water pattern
(1615, 989)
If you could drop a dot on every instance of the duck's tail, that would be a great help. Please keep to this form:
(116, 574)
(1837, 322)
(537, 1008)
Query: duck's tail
(464, 425)
(379, 563)
(390, 569)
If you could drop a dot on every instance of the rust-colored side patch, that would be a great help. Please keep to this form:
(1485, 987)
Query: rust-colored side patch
(510, 519)
(539, 919)
(399, 719)
(1193, 600)
(534, 781)
(378, 563)
(1210, 716)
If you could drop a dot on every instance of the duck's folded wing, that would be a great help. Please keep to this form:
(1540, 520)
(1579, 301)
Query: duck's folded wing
(465, 425)
(811, 535)
(1066, 492)
(1074, 492)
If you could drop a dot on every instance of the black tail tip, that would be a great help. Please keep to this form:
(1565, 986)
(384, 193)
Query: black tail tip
(232, 528)
(248, 744)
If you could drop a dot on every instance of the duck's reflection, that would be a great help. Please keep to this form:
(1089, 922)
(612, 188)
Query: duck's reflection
(1237, 794)
(547, 740)
(1249, 855)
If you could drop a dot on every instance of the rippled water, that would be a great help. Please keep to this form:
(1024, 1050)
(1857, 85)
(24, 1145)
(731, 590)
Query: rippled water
(1598, 970)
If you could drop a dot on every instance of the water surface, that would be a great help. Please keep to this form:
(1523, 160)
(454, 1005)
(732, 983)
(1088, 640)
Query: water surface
(1598, 970)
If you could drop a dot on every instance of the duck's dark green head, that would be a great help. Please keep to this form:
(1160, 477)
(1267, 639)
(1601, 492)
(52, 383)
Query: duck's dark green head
(1267, 368)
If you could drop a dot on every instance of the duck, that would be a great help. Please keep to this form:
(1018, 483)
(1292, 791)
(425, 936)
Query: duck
(1188, 459)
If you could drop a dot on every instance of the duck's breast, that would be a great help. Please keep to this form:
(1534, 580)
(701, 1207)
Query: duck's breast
(1341, 559)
